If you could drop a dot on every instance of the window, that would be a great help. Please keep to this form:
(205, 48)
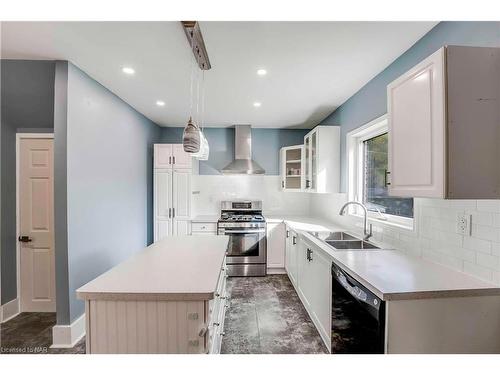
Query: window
(367, 175)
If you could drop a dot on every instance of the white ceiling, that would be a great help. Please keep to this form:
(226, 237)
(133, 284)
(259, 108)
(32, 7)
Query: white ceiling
(313, 67)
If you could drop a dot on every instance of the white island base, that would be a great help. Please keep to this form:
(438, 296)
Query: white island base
(170, 298)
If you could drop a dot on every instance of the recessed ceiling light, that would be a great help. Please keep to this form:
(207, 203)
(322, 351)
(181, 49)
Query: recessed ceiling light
(128, 70)
(257, 104)
(261, 72)
(160, 103)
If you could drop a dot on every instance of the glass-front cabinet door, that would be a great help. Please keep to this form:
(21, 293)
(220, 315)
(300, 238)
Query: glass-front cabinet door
(314, 160)
(292, 168)
(307, 151)
(310, 142)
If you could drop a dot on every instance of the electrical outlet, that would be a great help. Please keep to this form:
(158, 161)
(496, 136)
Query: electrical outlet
(463, 224)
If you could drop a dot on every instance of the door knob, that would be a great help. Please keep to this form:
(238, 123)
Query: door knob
(25, 239)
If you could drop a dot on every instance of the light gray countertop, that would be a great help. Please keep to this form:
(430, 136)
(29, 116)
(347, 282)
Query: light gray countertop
(176, 268)
(392, 274)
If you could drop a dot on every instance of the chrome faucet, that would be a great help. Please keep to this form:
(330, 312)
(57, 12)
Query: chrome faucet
(367, 233)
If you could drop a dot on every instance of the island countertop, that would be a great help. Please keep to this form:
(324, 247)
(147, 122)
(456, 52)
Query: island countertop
(182, 268)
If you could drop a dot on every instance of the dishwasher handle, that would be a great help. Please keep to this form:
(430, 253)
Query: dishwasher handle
(356, 289)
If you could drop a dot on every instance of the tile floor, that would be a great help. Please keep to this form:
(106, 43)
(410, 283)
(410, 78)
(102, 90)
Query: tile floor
(266, 316)
(32, 333)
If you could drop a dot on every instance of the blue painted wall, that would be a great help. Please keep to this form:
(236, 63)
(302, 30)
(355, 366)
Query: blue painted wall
(370, 101)
(109, 155)
(27, 105)
(266, 144)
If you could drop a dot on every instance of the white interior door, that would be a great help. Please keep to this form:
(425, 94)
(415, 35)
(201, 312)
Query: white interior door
(181, 159)
(416, 114)
(162, 203)
(36, 225)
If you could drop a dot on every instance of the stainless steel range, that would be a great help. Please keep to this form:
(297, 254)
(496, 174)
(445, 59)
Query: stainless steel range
(243, 222)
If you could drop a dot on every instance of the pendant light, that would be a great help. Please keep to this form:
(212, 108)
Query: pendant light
(193, 138)
(204, 151)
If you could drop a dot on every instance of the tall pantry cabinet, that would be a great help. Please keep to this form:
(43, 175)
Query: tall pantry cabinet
(172, 190)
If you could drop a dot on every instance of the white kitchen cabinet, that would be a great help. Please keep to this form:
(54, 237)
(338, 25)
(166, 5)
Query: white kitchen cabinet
(204, 227)
(275, 247)
(291, 256)
(322, 160)
(171, 156)
(314, 286)
(444, 128)
(292, 160)
(171, 194)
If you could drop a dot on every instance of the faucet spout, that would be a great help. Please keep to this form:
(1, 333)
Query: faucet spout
(367, 232)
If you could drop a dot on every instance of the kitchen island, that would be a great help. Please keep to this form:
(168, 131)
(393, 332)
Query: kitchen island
(168, 298)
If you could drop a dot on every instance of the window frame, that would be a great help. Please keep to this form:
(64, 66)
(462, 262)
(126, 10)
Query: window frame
(355, 172)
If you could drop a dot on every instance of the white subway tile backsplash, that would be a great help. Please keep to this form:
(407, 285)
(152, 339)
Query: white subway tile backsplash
(486, 233)
(488, 205)
(481, 218)
(488, 261)
(477, 244)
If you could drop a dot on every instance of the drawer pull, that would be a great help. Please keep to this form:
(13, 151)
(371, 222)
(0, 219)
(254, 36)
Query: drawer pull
(216, 324)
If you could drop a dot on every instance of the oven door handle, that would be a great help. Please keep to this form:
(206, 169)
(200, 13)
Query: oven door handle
(244, 231)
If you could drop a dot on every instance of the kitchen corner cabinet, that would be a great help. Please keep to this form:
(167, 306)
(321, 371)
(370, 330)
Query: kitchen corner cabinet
(444, 126)
(315, 286)
(322, 160)
(292, 168)
(275, 247)
(172, 191)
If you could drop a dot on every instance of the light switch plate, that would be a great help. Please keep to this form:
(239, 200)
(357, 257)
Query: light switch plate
(464, 224)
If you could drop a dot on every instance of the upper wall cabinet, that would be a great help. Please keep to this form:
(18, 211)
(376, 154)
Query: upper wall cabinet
(444, 126)
(292, 168)
(171, 156)
(322, 159)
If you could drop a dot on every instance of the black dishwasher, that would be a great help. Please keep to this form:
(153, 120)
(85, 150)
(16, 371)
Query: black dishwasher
(358, 316)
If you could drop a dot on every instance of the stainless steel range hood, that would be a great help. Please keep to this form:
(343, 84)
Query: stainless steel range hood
(243, 163)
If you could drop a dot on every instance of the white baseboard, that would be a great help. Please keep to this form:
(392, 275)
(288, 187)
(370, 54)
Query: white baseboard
(67, 336)
(9, 310)
(276, 271)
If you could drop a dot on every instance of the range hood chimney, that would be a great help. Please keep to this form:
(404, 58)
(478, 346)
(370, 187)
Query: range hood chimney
(243, 163)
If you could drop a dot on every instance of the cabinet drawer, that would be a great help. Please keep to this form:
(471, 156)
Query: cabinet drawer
(203, 227)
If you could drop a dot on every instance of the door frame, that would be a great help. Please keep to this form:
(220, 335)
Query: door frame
(19, 137)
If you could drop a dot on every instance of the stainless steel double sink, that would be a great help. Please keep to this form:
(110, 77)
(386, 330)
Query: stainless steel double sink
(343, 241)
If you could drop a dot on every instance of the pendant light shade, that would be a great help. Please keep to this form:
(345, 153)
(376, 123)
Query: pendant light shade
(191, 138)
(204, 148)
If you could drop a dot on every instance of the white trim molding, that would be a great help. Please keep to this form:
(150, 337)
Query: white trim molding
(20, 136)
(67, 336)
(9, 310)
(355, 173)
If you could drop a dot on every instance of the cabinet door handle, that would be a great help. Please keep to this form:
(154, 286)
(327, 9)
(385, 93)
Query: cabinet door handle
(309, 253)
(174, 160)
(169, 160)
(169, 213)
(173, 212)
(294, 240)
(283, 184)
(308, 184)
(287, 233)
(386, 179)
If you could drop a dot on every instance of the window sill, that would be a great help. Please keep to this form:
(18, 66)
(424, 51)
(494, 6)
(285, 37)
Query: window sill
(395, 224)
